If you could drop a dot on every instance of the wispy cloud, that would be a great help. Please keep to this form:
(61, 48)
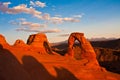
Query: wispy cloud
(37, 4)
(35, 27)
(13, 22)
(70, 19)
(79, 15)
(58, 20)
(22, 8)
(27, 25)
(6, 4)
(39, 31)
(51, 31)
(58, 15)
(64, 35)
(32, 26)
(45, 17)
(22, 19)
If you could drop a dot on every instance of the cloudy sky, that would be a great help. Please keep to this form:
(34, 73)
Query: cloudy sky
(58, 18)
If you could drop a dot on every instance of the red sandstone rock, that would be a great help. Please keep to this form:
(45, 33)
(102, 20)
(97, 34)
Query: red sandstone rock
(40, 41)
(87, 51)
(19, 43)
(21, 64)
(2, 40)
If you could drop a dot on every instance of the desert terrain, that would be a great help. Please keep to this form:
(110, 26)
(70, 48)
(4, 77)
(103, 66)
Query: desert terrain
(37, 59)
(107, 51)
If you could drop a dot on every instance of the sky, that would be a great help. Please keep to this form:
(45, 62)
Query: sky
(58, 18)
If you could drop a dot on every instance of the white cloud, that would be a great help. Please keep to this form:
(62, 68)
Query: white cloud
(38, 16)
(32, 26)
(40, 4)
(37, 4)
(79, 16)
(27, 25)
(58, 20)
(22, 8)
(40, 31)
(22, 19)
(70, 19)
(6, 4)
(32, 3)
(51, 31)
(26, 30)
(35, 27)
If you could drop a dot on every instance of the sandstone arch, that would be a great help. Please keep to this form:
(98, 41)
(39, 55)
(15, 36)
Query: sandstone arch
(87, 50)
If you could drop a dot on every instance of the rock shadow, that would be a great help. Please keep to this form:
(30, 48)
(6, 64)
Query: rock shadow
(10, 68)
(64, 74)
(113, 66)
(35, 69)
(47, 47)
(38, 72)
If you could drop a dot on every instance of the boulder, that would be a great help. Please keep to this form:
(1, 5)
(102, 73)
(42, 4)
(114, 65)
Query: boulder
(40, 41)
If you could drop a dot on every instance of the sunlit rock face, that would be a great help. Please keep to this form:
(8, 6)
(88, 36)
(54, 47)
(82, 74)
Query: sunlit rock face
(3, 41)
(19, 43)
(87, 51)
(40, 41)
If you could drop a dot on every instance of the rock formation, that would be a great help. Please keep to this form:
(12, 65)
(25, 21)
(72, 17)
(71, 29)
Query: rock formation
(87, 51)
(26, 64)
(19, 43)
(2, 40)
(40, 41)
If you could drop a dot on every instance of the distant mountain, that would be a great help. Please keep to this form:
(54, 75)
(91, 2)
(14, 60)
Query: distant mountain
(59, 43)
(112, 44)
(101, 39)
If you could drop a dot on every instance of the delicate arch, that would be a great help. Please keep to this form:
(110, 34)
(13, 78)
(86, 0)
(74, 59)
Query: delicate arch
(87, 50)
(73, 37)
